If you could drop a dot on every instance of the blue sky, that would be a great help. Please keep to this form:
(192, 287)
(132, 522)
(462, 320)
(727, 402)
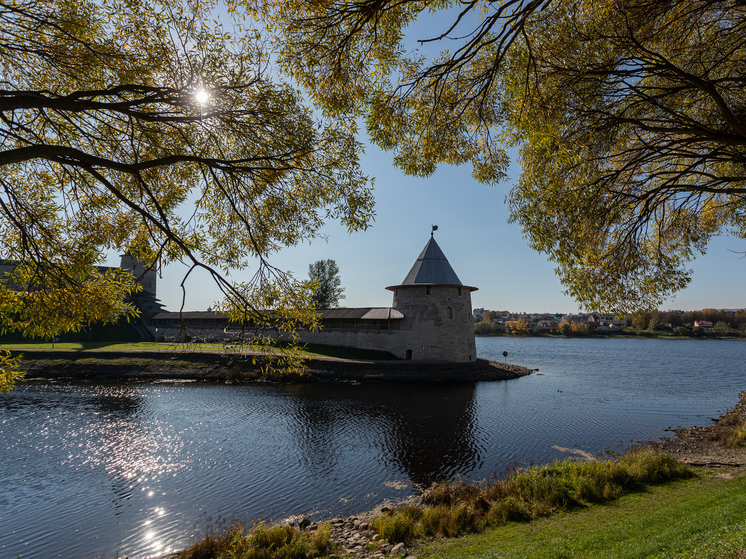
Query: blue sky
(484, 250)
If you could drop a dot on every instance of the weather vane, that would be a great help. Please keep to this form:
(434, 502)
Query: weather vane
(435, 228)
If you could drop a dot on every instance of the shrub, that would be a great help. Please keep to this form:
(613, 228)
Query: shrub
(261, 542)
(398, 526)
(449, 493)
(738, 438)
(682, 331)
(730, 431)
(579, 328)
(489, 329)
(217, 537)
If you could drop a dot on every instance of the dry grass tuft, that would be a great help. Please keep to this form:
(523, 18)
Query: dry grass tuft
(730, 431)
(260, 542)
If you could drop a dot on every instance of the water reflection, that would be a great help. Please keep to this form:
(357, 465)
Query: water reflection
(83, 455)
(431, 432)
(426, 431)
(86, 467)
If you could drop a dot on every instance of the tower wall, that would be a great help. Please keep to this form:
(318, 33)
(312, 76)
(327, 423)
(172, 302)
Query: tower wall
(429, 330)
(145, 276)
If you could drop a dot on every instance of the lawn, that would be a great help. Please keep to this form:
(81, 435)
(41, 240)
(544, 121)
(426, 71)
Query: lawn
(702, 518)
(312, 350)
(123, 346)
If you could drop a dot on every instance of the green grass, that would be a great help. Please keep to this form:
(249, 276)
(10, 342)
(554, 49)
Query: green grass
(346, 352)
(260, 542)
(313, 350)
(90, 345)
(454, 509)
(702, 518)
(116, 332)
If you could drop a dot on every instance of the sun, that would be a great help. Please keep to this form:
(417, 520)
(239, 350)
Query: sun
(201, 96)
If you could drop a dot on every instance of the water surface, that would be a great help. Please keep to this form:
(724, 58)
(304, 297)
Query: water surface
(85, 467)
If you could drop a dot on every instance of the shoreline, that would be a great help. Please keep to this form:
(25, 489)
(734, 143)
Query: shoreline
(610, 335)
(692, 447)
(231, 368)
(696, 445)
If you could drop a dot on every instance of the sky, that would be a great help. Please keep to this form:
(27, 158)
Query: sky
(473, 231)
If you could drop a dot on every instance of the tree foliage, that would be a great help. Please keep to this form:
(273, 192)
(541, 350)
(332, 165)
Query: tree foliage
(489, 316)
(9, 372)
(143, 126)
(629, 117)
(326, 284)
(632, 131)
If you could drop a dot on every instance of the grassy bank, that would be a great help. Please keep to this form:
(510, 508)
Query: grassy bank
(730, 431)
(312, 350)
(640, 505)
(261, 542)
(451, 510)
(702, 518)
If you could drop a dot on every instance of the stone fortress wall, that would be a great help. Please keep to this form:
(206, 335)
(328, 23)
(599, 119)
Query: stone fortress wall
(437, 326)
(430, 318)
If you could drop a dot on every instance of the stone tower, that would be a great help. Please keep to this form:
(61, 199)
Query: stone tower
(146, 300)
(144, 274)
(437, 323)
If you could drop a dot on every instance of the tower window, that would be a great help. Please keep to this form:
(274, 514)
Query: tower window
(428, 290)
(459, 292)
(449, 312)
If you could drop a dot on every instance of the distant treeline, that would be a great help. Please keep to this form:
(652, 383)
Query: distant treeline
(719, 318)
(649, 323)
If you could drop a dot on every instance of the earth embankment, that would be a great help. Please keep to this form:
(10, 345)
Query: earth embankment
(107, 365)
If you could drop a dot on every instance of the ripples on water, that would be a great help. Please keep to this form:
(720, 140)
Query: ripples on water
(85, 467)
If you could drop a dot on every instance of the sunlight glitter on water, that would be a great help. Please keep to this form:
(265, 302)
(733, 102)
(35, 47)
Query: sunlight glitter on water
(86, 467)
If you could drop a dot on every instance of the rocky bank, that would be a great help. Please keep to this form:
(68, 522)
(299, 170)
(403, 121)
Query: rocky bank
(699, 446)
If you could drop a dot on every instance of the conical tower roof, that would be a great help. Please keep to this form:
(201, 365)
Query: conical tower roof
(432, 268)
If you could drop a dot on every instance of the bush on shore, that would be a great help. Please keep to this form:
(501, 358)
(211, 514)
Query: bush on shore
(453, 509)
(260, 542)
(730, 431)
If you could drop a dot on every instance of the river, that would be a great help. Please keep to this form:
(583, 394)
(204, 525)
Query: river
(87, 467)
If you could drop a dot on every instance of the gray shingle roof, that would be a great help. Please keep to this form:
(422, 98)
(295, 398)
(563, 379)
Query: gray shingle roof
(364, 313)
(383, 314)
(189, 315)
(432, 268)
